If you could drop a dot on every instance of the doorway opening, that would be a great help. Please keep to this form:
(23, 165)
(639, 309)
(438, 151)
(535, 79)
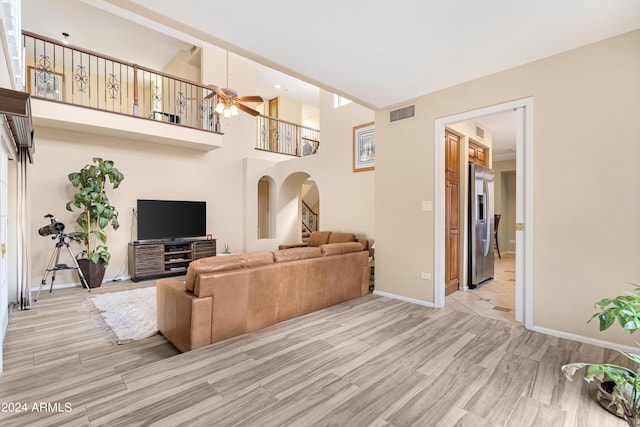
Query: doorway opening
(266, 201)
(309, 209)
(523, 236)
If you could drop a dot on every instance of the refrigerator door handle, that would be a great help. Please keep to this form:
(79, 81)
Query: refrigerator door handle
(487, 221)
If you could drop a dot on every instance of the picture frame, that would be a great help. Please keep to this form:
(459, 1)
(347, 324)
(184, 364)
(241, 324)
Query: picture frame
(364, 147)
(45, 85)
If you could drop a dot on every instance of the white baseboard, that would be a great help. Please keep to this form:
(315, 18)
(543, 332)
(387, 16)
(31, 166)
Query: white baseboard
(76, 284)
(586, 340)
(546, 331)
(405, 299)
(47, 286)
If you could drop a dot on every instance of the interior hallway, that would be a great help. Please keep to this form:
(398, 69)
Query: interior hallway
(496, 298)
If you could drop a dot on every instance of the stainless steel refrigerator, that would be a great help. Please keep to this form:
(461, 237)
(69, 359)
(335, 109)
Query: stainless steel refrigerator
(480, 225)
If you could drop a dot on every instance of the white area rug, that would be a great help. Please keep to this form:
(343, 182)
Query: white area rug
(127, 315)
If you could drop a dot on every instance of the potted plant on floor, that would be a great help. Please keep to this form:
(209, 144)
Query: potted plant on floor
(618, 387)
(96, 213)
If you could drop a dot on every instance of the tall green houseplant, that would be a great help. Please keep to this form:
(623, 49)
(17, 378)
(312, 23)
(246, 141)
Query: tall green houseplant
(96, 214)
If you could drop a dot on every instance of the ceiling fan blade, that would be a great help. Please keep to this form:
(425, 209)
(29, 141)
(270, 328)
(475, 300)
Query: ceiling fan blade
(218, 91)
(254, 98)
(247, 109)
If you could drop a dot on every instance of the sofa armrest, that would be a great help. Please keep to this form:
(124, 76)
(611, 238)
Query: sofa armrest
(182, 317)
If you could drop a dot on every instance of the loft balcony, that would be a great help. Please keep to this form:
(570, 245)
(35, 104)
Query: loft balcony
(280, 136)
(72, 88)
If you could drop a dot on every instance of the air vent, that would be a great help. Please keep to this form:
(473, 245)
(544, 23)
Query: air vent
(402, 113)
(479, 132)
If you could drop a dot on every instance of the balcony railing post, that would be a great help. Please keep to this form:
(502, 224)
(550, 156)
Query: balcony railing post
(136, 107)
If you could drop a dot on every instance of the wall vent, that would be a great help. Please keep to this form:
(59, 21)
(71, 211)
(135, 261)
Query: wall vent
(479, 132)
(402, 113)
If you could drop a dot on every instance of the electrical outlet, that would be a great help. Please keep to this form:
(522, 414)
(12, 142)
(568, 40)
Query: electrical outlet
(425, 276)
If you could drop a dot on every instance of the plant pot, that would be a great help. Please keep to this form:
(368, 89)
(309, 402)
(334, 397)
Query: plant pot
(603, 395)
(93, 272)
(604, 392)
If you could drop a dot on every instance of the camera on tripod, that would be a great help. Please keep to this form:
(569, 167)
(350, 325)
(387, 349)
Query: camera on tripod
(56, 227)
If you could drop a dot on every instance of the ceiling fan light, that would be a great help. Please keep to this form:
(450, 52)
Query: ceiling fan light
(220, 107)
(227, 112)
(234, 110)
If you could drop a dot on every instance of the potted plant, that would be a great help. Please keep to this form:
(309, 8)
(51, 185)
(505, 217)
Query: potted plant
(96, 213)
(618, 386)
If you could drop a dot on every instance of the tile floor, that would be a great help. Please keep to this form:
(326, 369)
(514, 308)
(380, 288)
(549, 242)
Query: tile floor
(496, 298)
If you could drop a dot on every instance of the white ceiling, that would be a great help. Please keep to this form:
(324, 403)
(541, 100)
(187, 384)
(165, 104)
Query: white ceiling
(378, 53)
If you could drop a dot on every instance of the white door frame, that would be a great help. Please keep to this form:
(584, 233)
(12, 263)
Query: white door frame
(524, 202)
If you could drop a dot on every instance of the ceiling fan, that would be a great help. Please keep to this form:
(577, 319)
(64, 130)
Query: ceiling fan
(228, 100)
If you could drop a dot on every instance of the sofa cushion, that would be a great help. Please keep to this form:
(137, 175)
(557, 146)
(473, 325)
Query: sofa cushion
(340, 248)
(341, 237)
(295, 254)
(223, 263)
(318, 238)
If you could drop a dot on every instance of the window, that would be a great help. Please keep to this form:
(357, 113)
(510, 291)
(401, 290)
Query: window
(339, 101)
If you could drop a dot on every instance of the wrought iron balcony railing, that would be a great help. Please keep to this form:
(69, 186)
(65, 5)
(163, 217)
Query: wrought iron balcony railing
(78, 76)
(81, 77)
(283, 137)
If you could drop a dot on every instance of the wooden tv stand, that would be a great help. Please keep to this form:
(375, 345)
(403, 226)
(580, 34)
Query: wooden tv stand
(166, 258)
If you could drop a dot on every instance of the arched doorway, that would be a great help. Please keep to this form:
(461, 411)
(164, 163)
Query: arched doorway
(266, 218)
(298, 207)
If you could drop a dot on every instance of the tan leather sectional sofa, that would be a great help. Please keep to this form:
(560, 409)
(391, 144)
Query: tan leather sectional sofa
(226, 296)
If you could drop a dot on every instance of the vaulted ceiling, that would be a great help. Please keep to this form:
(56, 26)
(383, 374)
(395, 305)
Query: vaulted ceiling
(376, 52)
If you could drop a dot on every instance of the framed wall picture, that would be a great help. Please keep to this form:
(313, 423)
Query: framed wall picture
(364, 147)
(45, 84)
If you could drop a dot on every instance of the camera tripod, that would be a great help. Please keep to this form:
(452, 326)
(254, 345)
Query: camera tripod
(54, 265)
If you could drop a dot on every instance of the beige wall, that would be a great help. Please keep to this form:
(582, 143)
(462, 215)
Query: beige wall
(186, 64)
(289, 110)
(585, 180)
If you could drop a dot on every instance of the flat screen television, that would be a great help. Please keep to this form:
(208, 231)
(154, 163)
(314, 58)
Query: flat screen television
(171, 219)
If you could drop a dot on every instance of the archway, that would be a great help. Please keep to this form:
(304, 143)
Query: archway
(289, 221)
(266, 203)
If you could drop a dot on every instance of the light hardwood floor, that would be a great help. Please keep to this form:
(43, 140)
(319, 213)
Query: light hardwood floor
(373, 361)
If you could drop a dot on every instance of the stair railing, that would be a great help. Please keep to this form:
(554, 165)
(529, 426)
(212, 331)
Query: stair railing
(309, 218)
